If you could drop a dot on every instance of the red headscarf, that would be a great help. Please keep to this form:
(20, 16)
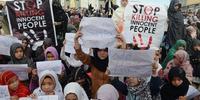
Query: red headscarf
(21, 91)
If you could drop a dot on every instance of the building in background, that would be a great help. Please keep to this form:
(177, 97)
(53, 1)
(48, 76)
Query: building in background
(193, 5)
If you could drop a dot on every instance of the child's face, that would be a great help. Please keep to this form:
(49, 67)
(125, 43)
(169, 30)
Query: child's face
(102, 54)
(176, 81)
(19, 53)
(50, 57)
(13, 83)
(71, 96)
(48, 85)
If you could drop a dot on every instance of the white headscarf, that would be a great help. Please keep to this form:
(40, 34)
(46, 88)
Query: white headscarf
(75, 88)
(58, 88)
(73, 62)
(107, 92)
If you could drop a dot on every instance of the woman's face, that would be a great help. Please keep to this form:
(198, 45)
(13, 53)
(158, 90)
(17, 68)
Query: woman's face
(50, 56)
(71, 96)
(48, 85)
(102, 54)
(132, 81)
(19, 53)
(196, 48)
(124, 3)
(13, 83)
(176, 81)
(176, 61)
(24, 43)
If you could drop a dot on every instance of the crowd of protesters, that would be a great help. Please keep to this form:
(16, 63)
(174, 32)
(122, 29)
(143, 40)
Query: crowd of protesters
(175, 71)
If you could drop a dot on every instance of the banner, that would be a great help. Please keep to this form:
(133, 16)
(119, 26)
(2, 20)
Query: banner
(6, 42)
(145, 22)
(130, 62)
(20, 69)
(32, 18)
(55, 66)
(69, 46)
(4, 93)
(98, 32)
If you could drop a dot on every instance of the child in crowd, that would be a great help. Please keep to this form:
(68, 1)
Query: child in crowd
(15, 87)
(73, 91)
(48, 85)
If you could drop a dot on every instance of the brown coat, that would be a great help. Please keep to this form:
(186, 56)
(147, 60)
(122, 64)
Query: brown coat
(98, 78)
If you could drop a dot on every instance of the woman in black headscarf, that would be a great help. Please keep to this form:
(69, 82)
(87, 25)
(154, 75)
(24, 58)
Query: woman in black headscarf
(195, 62)
(177, 87)
(176, 29)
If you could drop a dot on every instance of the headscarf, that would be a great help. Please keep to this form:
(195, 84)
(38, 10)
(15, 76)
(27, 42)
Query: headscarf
(171, 92)
(170, 55)
(99, 63)
(191, 31)
(53, 51)
(183, 58)
(47, 42)
(21, 91)
(75, 88)
(107, 92)
(58, 88)
(141, 91)
(195, 58)
(24, 59)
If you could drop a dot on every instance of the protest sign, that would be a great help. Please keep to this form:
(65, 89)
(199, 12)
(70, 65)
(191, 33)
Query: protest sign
(55, 66)
(21, 70)
(32, 18)
(130, 62)
(6, 42)
(98, 32)
(145, 22)
(192, 92)
(69, 46)
(4, 93)
(48, 97)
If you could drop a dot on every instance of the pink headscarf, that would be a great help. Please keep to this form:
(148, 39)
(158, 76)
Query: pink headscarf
(183, 58)
(53, 51)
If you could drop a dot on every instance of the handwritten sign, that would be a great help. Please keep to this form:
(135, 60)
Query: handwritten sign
(69, 46)
(4, 93)
(20, 69)
(5, 43)
(55, 66)
(98, 32)
(130, 62)
(49, 97)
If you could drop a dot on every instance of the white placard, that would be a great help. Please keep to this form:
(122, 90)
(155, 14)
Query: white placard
(130, 62)
(20, 69)
(48, 97)
(192, 92)
(98, 32)
(4, 93)
(147, 18)
(69, 46)
(6, 42)
(55, 66)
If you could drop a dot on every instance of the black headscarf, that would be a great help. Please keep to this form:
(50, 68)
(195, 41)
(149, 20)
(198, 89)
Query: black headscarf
(97, 62)
(24, 59)
(176, 28)
(195, 58)
(170, 92)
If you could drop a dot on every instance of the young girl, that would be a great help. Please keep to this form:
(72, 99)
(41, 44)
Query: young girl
(177, 86)
(48, 85)
(18, 56)
(73, 91)
(15, 87)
